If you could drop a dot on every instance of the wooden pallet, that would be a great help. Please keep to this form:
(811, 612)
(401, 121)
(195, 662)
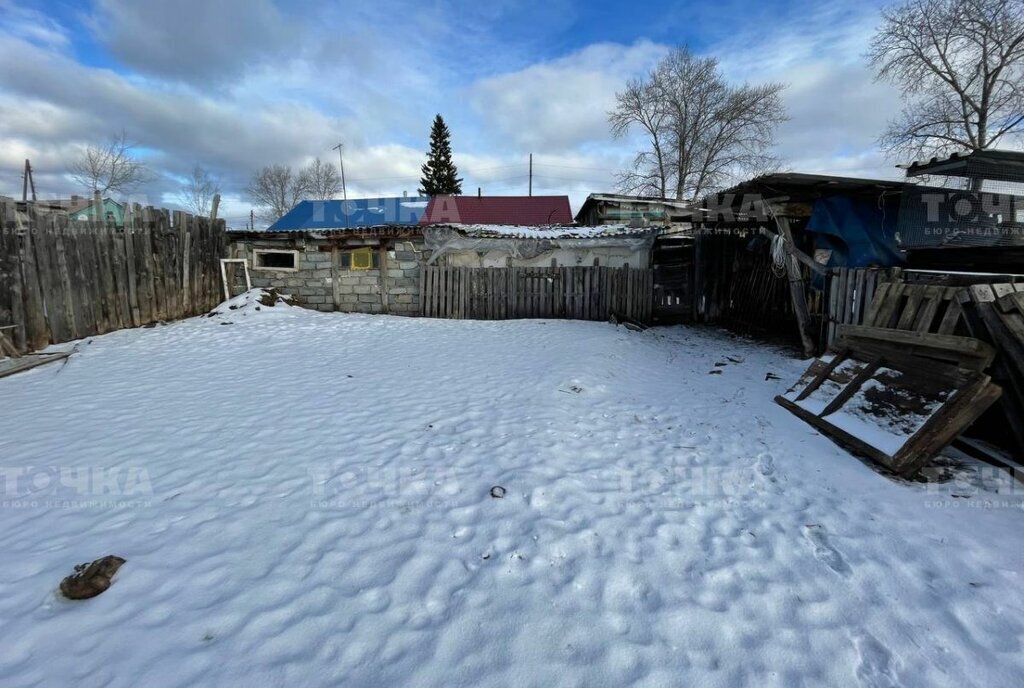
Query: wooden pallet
(924, 308)
(918, 320)
(995, 313)
(887, 405)
(907, 356)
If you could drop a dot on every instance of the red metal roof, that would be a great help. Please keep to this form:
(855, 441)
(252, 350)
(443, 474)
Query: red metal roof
(498, 210)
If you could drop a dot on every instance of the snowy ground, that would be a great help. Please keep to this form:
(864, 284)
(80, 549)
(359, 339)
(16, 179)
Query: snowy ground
(303, 499)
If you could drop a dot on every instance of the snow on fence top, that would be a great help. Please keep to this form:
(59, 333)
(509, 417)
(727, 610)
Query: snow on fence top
(550, 231)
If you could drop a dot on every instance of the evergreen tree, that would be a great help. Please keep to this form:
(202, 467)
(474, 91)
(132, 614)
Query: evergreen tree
(440, 176)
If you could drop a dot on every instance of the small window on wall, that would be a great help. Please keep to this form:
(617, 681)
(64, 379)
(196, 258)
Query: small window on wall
(360, 259)
(269, 259)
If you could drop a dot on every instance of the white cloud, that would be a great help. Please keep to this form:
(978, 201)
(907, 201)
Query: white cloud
(561, 104)
(195, 40)
(32, 25)
(837, 110)
(236, 86)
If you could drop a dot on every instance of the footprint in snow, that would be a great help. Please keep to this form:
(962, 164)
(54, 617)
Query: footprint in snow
(766, 465)
(824, 552)
(874, 665)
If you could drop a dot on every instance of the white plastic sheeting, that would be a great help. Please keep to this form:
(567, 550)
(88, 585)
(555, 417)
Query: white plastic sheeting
(527, 243)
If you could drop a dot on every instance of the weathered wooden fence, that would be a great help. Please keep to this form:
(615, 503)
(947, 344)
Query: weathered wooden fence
(850, 290)
(575, 293)
(849, 294)
(736, 285)
(62, 280)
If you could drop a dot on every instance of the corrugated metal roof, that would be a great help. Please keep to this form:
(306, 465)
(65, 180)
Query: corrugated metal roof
(352, 214)
(796, 184)
(1001, 165)
(499, 210)
(551, 231)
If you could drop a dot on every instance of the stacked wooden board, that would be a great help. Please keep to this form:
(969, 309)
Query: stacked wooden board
(995, 313)
(11, 360)
(903, 385)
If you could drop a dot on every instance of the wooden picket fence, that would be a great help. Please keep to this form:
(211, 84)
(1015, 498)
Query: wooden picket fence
(62, 280)
(849, 294)
(574, 293)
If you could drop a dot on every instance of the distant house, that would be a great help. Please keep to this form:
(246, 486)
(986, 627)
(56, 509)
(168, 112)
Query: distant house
(360, 255)
(84, 210)
(613, 209)
(527, 211)
(77, 208)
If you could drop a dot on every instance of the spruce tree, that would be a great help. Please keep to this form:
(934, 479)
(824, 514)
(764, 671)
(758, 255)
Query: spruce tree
(440, 176)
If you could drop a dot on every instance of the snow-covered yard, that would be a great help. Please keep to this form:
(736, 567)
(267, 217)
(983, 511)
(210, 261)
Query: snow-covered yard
(304, 499)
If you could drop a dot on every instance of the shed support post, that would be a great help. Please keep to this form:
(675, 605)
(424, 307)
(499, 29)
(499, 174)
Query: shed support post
(382, 266)
(335, 277)
(796, 288)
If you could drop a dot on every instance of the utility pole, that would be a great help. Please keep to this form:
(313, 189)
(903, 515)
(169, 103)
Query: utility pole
(531, 174)
(341, 162)
(27, 182)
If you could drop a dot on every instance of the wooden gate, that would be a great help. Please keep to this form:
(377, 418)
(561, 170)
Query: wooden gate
(574, 293)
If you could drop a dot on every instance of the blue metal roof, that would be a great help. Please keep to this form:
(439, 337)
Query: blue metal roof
(352, 214)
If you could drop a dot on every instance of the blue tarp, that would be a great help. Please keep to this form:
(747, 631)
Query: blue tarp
(860, 234)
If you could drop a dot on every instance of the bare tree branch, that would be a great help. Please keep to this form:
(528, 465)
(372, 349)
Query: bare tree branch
(960, 65)
(275, 190)
(110, 168)
(198, 192)
(320, 180)
(700, 131)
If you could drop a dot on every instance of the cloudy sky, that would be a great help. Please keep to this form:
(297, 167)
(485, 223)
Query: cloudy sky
(237, 84)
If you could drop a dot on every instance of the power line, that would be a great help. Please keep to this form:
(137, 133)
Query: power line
(576, 167)
(465, 171)
(570, 179)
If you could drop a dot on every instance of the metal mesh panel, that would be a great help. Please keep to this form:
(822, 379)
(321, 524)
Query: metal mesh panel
(975, 200)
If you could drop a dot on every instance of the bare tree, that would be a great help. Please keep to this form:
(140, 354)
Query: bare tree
(110, 168)
(320, 180)
(638, 106)
(275, 190)
(960, 65)
(197, 193)
(701, 132)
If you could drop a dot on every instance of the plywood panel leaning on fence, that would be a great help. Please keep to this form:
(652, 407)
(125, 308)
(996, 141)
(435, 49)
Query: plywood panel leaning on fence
(62, 280)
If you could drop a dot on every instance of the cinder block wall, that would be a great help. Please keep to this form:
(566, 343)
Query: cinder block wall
(320, 284)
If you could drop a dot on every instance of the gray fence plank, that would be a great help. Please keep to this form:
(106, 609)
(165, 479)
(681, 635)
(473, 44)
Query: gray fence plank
(579, 292)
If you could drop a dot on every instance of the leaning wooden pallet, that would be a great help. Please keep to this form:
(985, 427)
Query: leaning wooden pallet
(1001, 324)
(903, 386)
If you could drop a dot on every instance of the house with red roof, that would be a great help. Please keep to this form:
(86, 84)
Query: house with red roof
(526, 211)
